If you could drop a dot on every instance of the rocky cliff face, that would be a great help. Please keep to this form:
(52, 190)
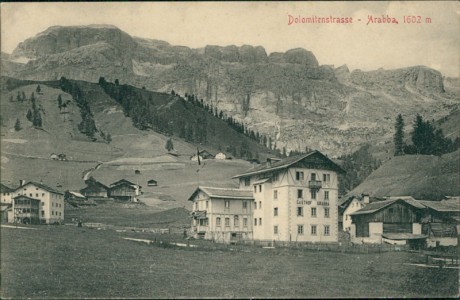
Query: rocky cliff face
(288, 96)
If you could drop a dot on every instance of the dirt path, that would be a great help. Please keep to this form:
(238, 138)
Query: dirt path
(86, 174)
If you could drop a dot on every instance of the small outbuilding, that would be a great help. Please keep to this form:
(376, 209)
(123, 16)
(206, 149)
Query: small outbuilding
(152, 182)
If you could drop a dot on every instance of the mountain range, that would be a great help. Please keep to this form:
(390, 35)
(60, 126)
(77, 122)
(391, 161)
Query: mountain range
(288, 96)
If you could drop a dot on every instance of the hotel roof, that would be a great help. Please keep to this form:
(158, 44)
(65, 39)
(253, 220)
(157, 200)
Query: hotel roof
(285, 163)
(224, 193)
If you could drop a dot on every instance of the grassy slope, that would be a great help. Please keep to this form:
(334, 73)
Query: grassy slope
(420, 176)
(25, 154)
(81, 263)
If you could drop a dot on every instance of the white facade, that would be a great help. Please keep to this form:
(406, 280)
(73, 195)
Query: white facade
(221, 156)
(354, 205)
(6, 197)
(295, 203)
(52, 202)
(221, 215)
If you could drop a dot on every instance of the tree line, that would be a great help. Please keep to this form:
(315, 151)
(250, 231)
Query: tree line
(425, 137)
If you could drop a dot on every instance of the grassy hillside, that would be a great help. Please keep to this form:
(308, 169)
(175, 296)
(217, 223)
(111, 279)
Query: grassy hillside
(26, 153)
(420, 176)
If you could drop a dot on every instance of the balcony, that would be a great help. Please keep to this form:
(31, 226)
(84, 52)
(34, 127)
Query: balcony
(314, 184)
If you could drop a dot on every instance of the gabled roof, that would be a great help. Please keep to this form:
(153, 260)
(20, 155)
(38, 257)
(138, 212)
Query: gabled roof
(77, 194)
(152, 180)
(122, 181)
(376, 206)
(90, 185)
(42, 186)
(285, 163)
(224, 193)
(5, 189)
(442, 206)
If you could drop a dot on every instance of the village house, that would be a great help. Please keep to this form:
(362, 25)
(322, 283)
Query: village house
(295, 199)
(94, 189)
(26, 210)
(222, 214)
(51, 201)
(394, 221)
(6, 193)
(124, 190)
(221, 155)
(441, 222)
(349, 206)
(54, 156)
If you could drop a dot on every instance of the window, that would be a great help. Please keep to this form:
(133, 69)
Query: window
(255, 189)
(255, 221)
(275, 211)
(52, 212)
(313, 211)
(300, 229)
(43, 194)
(313, 176)
(236, 221)
(275, 194)
(59, 213)
(313, 229)
(326, 212)
(260, 221)
(43, 203)
(299, 194)
(299, 211)
(43, 213)
(227, 203)
(207, 204)
(313, 194)
(275, 177)
(260, 204)
(36, 188)
(260, 188)
(245, 204)
(255, 204)
(227, 221)
(36, 195)
(326, 177)
(218, 221)
(298, 175)
(247, 181)
(245, 222)
(196, 205)
(30, 194)
(275, 229)
(326, 195)
(326, 230)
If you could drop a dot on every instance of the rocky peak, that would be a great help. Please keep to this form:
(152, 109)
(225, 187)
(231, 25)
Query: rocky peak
(295, 56)
(58, 39)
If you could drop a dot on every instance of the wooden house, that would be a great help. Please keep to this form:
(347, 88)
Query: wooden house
(152, 182)
(124, 190)
(54, 156)
(95, 189)
(441, 222)
(206, 155)
(396, 221)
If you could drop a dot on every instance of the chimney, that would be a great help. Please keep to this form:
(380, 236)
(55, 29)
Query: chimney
(21, 182)
(365, 198)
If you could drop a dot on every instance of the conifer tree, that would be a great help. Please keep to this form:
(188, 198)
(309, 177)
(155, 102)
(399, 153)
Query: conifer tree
(17, 125)
(398, 137)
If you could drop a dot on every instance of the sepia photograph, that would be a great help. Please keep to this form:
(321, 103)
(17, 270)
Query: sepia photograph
(243, 149)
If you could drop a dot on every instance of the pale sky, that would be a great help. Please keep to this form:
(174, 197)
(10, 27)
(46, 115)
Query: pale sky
(360, 46)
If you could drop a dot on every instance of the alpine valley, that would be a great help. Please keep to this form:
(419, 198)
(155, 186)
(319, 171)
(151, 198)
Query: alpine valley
(287, 96)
